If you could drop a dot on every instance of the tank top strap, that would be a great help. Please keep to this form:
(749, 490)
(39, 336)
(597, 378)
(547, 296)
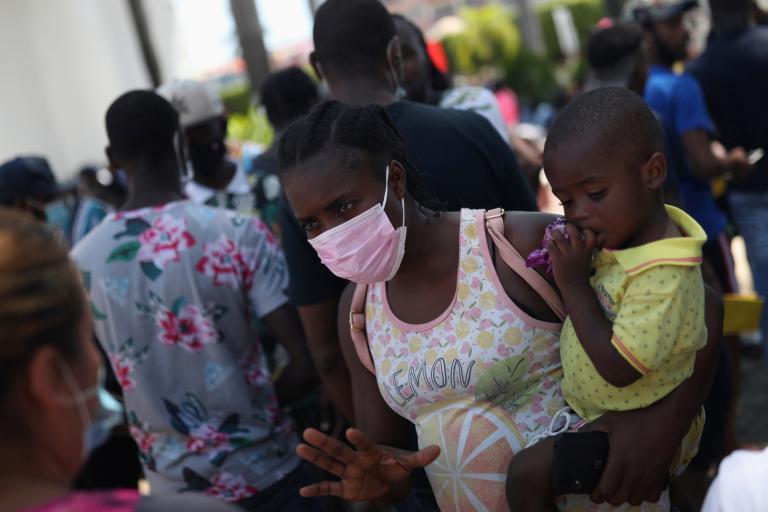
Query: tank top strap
(493, 221)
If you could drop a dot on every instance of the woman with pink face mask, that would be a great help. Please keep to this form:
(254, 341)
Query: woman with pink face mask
(51, 395)
(454, 334)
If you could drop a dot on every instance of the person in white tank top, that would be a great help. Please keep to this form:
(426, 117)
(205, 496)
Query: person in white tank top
(459, 343)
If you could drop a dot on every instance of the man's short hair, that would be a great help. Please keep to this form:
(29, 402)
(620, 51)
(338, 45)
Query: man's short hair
(141, 123)
(351, 36)
(613, 54)
(615, 117)
(729, 7)
(287, 95)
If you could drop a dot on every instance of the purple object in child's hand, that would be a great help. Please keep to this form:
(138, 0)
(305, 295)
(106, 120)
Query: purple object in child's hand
(540, 257)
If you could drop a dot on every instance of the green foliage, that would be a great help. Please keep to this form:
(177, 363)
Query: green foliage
(531, 76)
(586, 14)
(490, 37)
(251, 126)
(237, 98)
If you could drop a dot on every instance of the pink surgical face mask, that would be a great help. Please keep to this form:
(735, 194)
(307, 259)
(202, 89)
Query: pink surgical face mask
(366, 249)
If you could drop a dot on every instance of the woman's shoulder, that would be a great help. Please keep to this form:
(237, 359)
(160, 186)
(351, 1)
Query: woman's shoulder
(525, 230)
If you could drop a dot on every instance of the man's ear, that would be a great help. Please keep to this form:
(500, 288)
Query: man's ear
(397, 179)
(395, 56)
(654, 172)
(113, 163)
(316, 65)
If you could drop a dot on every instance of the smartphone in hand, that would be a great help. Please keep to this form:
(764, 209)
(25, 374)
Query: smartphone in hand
(579, 460)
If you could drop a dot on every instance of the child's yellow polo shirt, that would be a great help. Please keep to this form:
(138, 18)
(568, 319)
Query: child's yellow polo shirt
(654, 296)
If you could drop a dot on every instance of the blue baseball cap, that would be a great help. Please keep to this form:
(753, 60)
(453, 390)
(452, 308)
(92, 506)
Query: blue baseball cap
(28, 177)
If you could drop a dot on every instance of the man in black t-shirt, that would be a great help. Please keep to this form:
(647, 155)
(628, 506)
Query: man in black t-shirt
(285, 95)
(464, 161)
(733, 73)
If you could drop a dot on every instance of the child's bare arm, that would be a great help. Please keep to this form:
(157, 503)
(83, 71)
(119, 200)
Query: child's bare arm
(571, 265)
(529, 479)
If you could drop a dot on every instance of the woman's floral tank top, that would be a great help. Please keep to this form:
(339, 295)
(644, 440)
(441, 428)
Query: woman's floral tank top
(480, 380)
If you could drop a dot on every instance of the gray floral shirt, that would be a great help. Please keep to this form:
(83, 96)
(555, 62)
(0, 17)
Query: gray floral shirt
(174, 292)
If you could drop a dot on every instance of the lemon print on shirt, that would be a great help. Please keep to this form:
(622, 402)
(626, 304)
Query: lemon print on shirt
(477, 441)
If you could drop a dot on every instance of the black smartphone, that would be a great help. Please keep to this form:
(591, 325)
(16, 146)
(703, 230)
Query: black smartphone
(579, 460)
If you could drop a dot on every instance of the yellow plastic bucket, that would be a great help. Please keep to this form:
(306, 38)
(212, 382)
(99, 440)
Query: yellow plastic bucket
(742, 313)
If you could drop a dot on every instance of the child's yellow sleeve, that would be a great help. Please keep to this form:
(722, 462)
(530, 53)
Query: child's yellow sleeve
(661, 314)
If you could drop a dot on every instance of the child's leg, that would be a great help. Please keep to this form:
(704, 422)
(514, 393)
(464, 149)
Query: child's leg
(529, 478)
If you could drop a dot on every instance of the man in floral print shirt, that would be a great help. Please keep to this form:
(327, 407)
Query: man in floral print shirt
(174, 289)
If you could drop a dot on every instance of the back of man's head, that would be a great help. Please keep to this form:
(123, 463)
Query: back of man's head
(287, 95)
(141, 124)
(730, 14)
(351, 36)
(613, 54)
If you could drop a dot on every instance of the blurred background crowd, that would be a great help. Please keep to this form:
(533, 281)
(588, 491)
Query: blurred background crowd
(238, 72)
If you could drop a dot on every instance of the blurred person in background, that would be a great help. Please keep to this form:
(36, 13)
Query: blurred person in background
(465, 162)
(100, 192)
(51, 395)
(286, 95)
(215, 179)
(28, 184)
(678, 100)
(425, 83)
(740, 483)
(733, 72)
(174, 287)
(616, 57)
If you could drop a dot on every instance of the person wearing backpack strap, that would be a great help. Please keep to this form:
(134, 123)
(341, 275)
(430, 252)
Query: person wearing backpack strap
(457, 331)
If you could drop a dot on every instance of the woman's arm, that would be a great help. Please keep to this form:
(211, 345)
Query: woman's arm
(372, 414)
(372, 471)
(644, 443)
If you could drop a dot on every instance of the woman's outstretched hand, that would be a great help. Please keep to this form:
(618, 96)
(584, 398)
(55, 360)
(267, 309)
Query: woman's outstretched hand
(367, 473)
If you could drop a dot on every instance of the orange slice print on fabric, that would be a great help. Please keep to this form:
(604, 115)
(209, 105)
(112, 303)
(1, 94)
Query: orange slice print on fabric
(477, 441)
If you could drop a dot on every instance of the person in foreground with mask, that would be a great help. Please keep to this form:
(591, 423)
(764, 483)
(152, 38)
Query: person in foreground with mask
(53, 408)
(464, 161)
(174, 287)
(450, 332)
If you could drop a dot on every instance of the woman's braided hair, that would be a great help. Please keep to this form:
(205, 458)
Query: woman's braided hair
(335, 129)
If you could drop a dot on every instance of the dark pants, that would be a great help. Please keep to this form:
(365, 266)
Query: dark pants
(284, 496)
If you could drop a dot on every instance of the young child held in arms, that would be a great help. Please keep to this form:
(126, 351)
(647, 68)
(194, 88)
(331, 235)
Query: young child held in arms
(628, 269)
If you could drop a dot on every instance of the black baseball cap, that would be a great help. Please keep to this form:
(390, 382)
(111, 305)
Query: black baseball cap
(652, 11)
(28, 177)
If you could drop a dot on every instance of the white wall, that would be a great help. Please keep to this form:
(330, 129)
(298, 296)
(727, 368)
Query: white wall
(62, 62)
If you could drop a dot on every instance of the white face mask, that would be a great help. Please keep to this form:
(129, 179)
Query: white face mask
(109, 413)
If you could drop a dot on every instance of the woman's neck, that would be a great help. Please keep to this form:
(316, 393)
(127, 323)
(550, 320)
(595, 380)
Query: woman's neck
(29, 479)
(426, 233)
